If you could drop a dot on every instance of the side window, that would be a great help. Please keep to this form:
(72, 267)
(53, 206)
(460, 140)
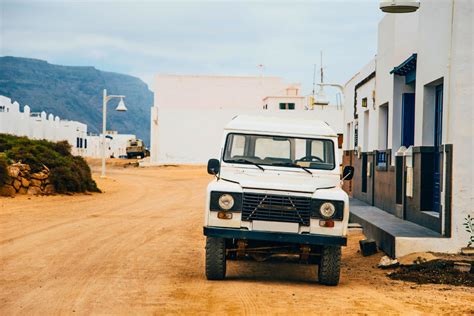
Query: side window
(323, 150)
(317, 149)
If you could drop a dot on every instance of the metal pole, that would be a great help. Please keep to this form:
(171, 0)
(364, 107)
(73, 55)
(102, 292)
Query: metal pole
(104, 124)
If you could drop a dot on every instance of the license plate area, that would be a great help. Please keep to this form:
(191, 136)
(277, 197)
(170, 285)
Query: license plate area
(275, 226)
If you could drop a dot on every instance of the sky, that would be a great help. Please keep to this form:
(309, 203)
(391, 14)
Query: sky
(145, 38)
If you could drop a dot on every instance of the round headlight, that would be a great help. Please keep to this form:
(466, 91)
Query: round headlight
(226, 201)
(327, 210)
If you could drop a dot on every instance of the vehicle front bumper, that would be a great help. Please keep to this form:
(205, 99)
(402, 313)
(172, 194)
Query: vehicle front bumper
(307, 239)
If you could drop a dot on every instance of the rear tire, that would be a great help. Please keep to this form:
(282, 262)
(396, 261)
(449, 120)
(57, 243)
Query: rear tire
(330, 265)
(215, 258)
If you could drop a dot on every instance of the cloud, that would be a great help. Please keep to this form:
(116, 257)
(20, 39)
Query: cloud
(148, 37)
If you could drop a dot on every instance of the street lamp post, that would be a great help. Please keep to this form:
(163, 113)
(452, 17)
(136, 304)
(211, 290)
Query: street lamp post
(120, 107)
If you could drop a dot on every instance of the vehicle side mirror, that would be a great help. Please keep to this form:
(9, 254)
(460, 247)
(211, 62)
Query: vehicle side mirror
(213, 166)
(348, 173)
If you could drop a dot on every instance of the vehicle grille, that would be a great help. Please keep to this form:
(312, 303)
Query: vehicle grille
(276, 208)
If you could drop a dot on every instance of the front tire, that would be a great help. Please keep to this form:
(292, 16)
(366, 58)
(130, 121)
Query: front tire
(215, 258)
(330, 265)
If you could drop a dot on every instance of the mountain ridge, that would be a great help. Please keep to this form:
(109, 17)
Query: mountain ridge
(75, 93)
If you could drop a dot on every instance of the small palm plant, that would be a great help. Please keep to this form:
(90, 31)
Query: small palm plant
(469, 227)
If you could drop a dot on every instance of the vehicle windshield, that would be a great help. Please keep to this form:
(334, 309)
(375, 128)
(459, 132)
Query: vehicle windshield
(280, 151)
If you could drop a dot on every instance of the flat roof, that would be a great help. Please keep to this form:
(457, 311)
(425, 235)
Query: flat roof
(280, 125)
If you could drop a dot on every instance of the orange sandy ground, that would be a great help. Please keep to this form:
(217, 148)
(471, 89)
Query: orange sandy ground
(138, 248)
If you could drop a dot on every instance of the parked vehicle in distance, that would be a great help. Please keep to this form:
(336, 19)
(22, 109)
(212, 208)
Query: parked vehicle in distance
(277, 191)
(136, 149)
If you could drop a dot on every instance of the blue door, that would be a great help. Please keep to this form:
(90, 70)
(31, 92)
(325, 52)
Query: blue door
(438, 133)
(408, 119)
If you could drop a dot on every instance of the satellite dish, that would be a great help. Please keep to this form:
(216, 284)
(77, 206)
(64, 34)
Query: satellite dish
(399, 6)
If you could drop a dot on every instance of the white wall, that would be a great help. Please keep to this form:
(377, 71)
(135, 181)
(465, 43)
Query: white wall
(212, 92)
(190, 112)
(190, 135)
(365, 91)
(43, 126)
(118, 144)
(273, 102)
(115, 146)
(39, 125)
(441, 58)
(458, 119)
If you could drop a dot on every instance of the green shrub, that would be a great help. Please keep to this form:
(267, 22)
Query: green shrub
(74, 178)
(3, 170)
(68, 173)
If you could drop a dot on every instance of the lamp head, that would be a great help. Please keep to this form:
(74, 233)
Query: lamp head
(121, 106)
(399, 6)
(320, 98)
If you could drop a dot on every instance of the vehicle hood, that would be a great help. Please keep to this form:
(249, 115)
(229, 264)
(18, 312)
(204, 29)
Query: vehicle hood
(294, 180)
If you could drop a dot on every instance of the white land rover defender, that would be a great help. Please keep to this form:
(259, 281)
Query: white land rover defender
(277, 192)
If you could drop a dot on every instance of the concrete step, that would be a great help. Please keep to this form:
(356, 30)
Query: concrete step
(385, 228)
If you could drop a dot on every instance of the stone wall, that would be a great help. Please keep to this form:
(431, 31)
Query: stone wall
(23, 181)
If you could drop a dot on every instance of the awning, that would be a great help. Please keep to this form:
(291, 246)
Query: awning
(407, 69)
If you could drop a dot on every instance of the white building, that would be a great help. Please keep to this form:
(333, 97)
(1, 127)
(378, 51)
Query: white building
(115, 145)
(190, 112)
(41, 126)
(52, 128)
(409, 130)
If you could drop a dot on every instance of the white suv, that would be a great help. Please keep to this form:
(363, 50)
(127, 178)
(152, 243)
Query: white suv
(277, 192)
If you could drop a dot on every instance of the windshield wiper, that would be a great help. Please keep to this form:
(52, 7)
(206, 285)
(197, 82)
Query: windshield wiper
(291, 164)
(241, 160)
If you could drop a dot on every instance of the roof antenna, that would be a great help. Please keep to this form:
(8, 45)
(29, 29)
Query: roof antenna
(314, 78)
(322, 71)
(321, 96)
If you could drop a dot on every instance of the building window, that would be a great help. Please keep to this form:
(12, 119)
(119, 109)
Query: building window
(349, 136)
(382, 159)
(77, 142)
(399, 180)
(408, 119)
(287, 106)
(356, 134)
(85, 142)
(364, 173)
(383, 126)
(2, 108)
(364, 102)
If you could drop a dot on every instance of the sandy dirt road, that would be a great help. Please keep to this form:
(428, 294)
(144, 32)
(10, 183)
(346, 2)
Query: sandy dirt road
(138, 249)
